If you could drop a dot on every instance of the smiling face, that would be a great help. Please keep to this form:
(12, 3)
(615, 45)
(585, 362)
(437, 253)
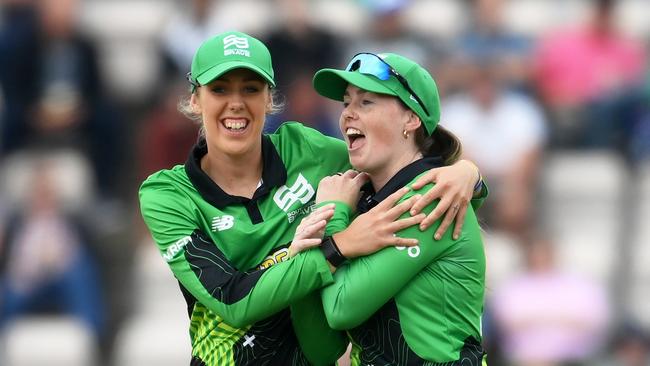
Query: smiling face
(373, 126)
(233, 108)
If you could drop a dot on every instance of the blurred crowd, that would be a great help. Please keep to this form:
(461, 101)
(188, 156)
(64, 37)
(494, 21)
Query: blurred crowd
(556, 116)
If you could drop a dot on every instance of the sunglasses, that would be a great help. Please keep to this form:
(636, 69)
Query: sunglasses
(194, 84)
(371, 64)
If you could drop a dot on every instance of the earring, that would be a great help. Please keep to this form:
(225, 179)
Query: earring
(405, 134)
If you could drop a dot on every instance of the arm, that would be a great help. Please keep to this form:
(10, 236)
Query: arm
(240, 297)
(321, 344)
(365, 284)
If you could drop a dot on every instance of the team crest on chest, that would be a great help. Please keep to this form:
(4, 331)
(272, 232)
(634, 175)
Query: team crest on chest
(301, 191)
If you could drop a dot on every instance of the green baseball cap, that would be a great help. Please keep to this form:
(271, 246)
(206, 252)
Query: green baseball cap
(386, 73)
(228, 51)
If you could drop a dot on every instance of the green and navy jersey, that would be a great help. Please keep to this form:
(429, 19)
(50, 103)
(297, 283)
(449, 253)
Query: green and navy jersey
(418, 305)
(230, 254)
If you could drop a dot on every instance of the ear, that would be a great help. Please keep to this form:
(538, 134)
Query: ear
(269, 104)
(194, 103)
(413, 122)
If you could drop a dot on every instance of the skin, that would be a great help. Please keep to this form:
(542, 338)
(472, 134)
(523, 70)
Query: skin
(380, 153)
(239, 96)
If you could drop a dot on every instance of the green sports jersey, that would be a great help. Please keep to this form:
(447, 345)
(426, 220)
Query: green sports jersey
(230, 254)
(411, 306)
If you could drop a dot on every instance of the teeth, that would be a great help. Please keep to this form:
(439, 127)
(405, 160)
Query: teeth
(232, 125)
(352, 131)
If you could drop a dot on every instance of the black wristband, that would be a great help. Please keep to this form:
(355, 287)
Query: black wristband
(332, 252)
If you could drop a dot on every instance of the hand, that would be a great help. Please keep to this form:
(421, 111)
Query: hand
(344, 187)
(311, 229)
(375, 229)
(454, 187)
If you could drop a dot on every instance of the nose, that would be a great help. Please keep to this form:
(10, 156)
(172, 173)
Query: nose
(236, 102)
(348, 113)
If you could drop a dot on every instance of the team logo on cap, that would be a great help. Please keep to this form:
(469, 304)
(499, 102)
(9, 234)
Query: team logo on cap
(240, 45)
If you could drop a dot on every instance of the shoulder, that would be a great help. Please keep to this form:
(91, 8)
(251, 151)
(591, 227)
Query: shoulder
(295, 134)
(165, 183)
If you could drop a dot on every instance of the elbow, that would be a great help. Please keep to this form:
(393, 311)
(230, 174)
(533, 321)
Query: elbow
(340, 320)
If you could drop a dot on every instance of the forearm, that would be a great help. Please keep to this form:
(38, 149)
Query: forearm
(321, 344)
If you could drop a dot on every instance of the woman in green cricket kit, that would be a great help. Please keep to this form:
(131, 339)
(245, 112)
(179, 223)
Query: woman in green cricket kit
(419, 305)
(224, 220)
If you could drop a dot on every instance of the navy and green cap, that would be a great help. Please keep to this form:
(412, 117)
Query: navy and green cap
(386, 73)
(227, 51)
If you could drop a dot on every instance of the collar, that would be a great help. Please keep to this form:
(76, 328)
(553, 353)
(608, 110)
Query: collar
(370, 198)
(274, 174)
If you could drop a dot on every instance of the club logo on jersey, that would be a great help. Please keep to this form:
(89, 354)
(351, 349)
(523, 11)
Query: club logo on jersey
(221, 223)
(280, 255)
(412, 251)
(301, 191)
(240, 44)
(302, 211)
(176, 248)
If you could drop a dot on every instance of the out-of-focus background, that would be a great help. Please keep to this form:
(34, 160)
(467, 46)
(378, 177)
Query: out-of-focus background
(550, 97)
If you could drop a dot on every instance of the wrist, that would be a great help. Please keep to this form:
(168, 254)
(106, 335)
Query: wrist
(332, 252)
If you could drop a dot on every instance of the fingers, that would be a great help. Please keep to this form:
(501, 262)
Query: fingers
(360, 179)
(431, 195)
(428, 177)
(436, 214)
(460, 220)
(402, 207)
(350, 173)
(449, 218)
(391, 200)
(403, 242)
(402, 224)
(300, 245)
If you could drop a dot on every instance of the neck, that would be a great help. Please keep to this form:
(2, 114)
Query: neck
(236, 175)
(380, 177)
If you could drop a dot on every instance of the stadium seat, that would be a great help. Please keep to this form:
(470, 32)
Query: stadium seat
(580, 203)
(52, 341)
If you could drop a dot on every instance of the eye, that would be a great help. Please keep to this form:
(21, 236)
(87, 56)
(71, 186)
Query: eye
(252, 89)
(218, 89)
(346, 104)
(366, 102)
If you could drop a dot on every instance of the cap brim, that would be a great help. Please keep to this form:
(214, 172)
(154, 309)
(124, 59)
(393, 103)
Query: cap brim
(331, 83)
(223, 68)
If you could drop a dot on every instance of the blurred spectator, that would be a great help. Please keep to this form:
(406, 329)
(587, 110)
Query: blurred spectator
(52, 87)
(387, 32)
(166, 135)
(300, 48)
(504, 133)
(586, 76)
(486, 38)
(192, 23)
(630, 347)
(547, 316)
(46, 260)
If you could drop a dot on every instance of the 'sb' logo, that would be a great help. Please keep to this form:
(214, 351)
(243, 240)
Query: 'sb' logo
(233, 40)
(301, 191)
(221, 223)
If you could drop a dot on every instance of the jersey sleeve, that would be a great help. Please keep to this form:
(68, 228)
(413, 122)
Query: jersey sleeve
(239, 297)
(330, 152)
(365, 284)
(321, 344)
(477, 201)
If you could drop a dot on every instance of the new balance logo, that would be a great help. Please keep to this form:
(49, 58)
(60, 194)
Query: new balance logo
(221, 223)
(240, 43)
(301, 191)
(176, 248)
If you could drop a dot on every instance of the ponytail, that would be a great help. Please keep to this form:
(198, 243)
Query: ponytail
(441, 143)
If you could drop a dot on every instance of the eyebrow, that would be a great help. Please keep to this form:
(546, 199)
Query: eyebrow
(359, 92)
